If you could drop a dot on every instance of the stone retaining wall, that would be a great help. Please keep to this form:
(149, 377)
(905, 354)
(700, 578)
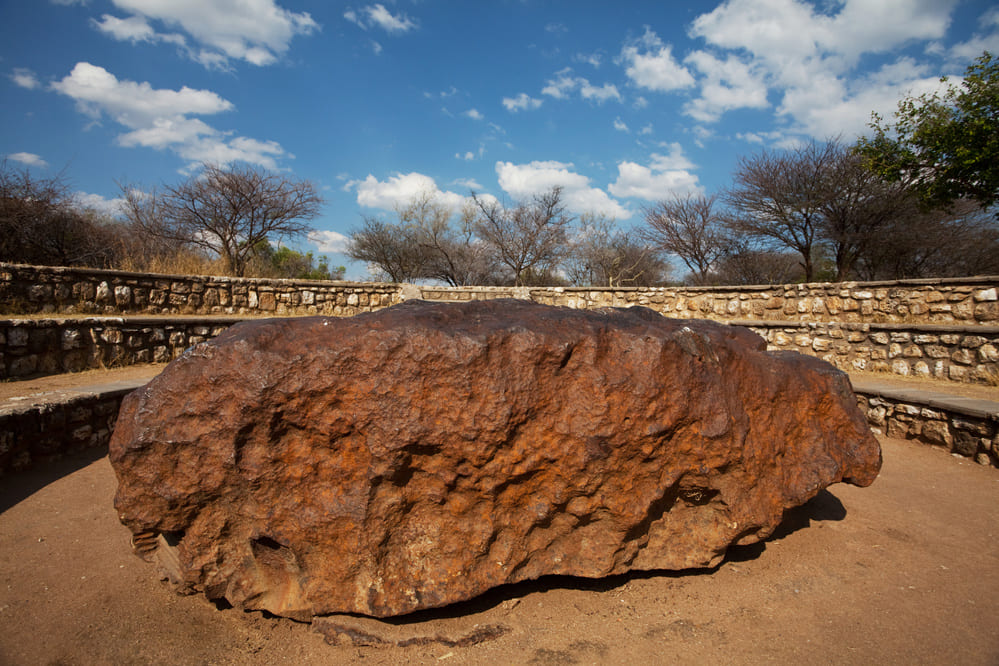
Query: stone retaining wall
(970, 301)
(53, 346)
(58, 290)
(955, 353)
(33, 434)
(966, 433)
(54, 290)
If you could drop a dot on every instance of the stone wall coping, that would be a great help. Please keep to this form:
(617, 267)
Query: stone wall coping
(928, 282)
(864, 326)
(157, 320)
(67, 397)
(103, 272)
(976, 407)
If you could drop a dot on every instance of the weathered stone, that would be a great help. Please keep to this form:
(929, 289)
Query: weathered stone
(426, 453)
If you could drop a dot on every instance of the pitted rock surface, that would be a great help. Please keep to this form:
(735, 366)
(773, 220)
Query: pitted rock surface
(420, 455)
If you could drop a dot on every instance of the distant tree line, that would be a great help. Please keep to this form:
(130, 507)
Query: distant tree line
(913, 200)
(226, 221)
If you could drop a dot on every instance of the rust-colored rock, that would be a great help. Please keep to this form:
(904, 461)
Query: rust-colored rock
(420, 455)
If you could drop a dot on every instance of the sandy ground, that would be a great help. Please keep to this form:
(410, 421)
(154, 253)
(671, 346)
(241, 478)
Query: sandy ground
(906, 571)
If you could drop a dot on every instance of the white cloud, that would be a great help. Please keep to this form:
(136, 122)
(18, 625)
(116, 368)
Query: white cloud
(399, 190)
(561, 86)
(599, 94)
(592, 59)
(523, 181)
(965, 52)
(782, 32)
(727, 85)
(556, 28)
(760, 137)
(620, 125)
(650, 64)
(807, 55)
(99, 203)
(257, 31)
(134, 104)
(161, 118)
(24, 78)
(132, 29)
(377, 16)
(522, 102)
(665, 174)
(830, 107)
(645, 131)
(468, 156)
(376, 47)
(564, 84)
(474, 114)
(328, 241)
(28, 159)
(469, 183)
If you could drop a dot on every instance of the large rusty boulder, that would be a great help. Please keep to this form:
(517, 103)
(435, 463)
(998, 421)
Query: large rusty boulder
(420, 455)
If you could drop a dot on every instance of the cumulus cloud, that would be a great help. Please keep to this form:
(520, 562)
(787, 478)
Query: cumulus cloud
(328, 241)
(474, 114)
(649, 63)
(833, 107)
(28, 159)
(399, 190)
(564, 84)
(522, 102)
(377, 16)
(665, 174)
(96, 202)
(162, 118)
(468, 183)
(726, 85)
(592, 59)
(25, 78)
(257, 31)
(620, 125)
(808, 56)
(987, 40)
(523, 181)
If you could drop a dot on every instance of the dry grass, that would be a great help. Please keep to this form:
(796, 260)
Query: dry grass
(178, 263)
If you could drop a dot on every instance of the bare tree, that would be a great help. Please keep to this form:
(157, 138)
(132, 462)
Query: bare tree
(226, 210)
(778, 197)
(41, 223)
(392, 248)
(451, 252)
(529, 239)
(857, 206)
(959, 241)
(425, 243)
(689, 227)
(601, 255)
(749, 263)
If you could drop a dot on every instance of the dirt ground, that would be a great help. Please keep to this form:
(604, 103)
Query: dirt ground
(906, 571)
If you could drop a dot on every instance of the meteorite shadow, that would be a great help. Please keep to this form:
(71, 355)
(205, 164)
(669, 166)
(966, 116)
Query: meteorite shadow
(823, 507)
(18, 486)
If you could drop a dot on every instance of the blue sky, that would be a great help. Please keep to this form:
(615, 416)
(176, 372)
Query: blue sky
(620, 103)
